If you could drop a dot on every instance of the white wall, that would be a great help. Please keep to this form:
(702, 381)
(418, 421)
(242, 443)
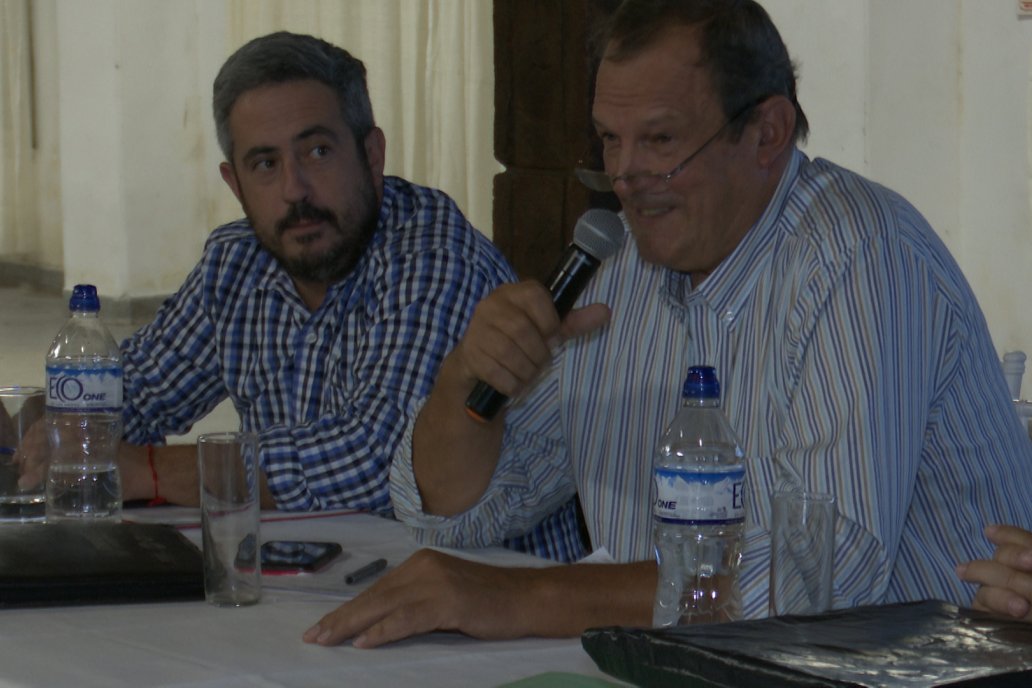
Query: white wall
(995, 174)
(932, 98)
(134, 192)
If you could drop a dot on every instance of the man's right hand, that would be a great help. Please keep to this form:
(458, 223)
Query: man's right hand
(513, 332)
(509, 342)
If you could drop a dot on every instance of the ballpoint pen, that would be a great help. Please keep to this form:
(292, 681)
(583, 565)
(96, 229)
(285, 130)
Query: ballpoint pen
(367, 571)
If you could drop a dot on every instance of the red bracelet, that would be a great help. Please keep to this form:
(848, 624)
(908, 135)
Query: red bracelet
(158, 499)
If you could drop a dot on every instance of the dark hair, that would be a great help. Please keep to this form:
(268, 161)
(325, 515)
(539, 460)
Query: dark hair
(741, 47)
(281, 57)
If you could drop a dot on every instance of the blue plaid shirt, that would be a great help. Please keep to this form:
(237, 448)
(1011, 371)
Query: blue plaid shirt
(326, 391)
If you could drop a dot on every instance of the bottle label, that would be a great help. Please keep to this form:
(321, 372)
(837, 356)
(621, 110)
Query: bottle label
(84, 389)
(688, 497)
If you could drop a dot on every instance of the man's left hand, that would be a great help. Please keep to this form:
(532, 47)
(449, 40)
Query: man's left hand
(1005, 580)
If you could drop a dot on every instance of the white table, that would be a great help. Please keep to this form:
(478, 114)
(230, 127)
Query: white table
(195, 644)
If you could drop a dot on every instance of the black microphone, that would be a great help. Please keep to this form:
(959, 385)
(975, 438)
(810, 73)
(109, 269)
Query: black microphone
(598, 234)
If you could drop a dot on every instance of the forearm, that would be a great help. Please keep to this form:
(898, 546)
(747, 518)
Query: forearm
(563, 601)
(432, 590)
(453, 455)
(174, 477)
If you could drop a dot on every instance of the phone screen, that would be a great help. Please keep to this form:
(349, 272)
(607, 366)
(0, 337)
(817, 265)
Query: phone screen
(297, 556)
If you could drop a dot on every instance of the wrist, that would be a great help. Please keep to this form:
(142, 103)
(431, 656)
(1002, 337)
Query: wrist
(156, 498)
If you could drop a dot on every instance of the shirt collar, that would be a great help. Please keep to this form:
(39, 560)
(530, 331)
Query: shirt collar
(727, 287)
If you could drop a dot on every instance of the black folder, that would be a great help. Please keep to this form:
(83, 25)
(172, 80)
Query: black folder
(66, 563)
(917, 644)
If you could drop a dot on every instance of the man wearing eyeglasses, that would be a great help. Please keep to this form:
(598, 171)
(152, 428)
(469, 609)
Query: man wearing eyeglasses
(851, 352)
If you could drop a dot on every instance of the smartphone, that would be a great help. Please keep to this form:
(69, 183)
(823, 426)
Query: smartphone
(297, 556)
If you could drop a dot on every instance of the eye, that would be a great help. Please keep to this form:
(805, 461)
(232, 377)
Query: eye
(263, 165)
(320, 151)
(661, 139)
(609, 142)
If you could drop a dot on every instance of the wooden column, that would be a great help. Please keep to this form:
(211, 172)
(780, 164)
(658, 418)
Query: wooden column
(544, 74)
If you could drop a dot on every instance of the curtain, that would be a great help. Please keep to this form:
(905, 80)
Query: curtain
(18, 216)
(430, 66)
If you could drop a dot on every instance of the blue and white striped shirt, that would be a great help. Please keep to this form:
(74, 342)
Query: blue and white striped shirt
(848, 345)
(326, 391)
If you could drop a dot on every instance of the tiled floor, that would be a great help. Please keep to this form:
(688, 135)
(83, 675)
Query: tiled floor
(28, 322)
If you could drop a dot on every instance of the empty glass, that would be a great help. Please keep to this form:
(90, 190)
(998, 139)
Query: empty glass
(23, 454)
(228, 467)
(802, 552)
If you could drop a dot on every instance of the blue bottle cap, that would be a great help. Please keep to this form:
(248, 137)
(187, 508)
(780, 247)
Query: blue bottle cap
(84, 298)
(701, 383)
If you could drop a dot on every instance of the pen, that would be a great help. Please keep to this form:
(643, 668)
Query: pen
(367, 571)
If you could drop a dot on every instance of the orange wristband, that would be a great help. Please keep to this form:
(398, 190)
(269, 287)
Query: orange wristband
(158, 500)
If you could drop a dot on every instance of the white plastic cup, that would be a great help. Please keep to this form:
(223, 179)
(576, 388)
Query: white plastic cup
(230, 508)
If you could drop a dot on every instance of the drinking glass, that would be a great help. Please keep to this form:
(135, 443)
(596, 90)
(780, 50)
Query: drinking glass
(802, 552)
(22, 498)
(228, 469)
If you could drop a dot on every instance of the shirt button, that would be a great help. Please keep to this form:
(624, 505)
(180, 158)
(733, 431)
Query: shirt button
(311, 337)
(728, 317)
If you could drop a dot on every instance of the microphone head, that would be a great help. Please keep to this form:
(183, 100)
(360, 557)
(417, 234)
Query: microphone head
(599, 233)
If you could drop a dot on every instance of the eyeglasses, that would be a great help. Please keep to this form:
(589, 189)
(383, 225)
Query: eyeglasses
(596, 180)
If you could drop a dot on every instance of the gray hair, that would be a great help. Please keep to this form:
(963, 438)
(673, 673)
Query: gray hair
(740, 45)
(282, 57)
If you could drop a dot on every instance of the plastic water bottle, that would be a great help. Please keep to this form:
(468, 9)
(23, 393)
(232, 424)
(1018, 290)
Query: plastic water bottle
(84, 415)
(1013, 370)
(699, 514)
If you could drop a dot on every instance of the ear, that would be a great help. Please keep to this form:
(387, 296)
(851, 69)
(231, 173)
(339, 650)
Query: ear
(376, 153)
(229, 176)
(776, 120)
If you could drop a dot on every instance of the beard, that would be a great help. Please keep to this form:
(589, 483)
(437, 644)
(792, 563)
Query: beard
(352, 232)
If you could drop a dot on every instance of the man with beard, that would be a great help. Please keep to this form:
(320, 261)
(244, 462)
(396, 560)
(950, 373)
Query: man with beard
(324, 313)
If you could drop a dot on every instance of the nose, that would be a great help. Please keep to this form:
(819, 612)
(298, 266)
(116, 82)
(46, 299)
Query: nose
(626, 168)
(296, 186)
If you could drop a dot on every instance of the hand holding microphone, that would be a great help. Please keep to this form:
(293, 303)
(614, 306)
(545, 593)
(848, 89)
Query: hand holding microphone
(597, 235)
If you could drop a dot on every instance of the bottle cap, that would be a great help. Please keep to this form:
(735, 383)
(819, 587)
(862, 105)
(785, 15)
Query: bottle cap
(84, 298)
(701, 383)
(1014, 361)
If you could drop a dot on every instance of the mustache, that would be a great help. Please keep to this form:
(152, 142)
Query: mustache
(303, 211)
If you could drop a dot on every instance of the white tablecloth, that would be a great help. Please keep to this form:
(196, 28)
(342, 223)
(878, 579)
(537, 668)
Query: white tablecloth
(195, 644)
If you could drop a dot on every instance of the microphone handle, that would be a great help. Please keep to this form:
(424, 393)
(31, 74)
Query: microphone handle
(565, 284)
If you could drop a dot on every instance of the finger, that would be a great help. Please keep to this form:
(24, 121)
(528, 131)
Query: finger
(581, 321)
(997, 575)
(1015, 557)
(346, 621)
(31, 468)
(532, 321)
(513, 350)
(396, 591)
(355, 616)
(1003, 602)
(507, 342)
(332, 628)
(1009, 535)
(405, 621)
(30, 479)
